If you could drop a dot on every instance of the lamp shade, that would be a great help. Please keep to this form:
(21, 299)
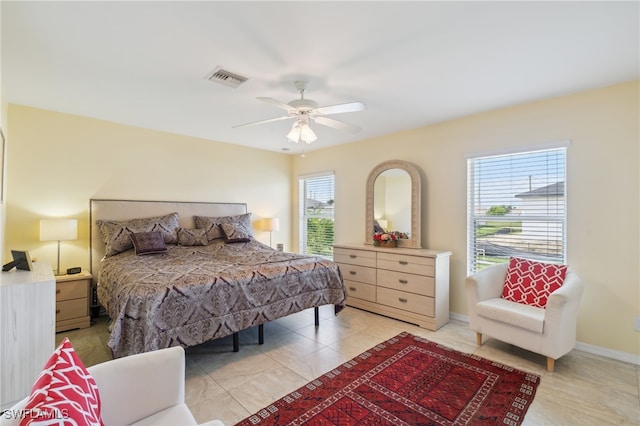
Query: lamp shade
(306, 134)
(271, 224)
(294, 134)
(58, 229)
(301, 130)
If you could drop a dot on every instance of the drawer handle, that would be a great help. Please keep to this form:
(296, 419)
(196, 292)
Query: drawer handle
(402, 299)
(353, 256)
(58, 291)
(403, 262)
(352, 272)
(57, 311)
(403, 281)
(352, 288)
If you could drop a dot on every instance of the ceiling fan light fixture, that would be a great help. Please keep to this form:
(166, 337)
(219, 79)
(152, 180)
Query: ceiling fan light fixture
(296, 131)
(306, 134)
(301, 130)
(304, 110)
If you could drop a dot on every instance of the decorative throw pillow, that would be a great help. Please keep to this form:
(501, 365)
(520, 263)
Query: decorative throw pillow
(192, 237)
(115, 234)
(211, 225)
(65, 392)
(148, 242)
(235, 233)
(530, 283)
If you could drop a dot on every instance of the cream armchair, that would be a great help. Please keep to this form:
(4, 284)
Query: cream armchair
(142, 389)
(550, 332)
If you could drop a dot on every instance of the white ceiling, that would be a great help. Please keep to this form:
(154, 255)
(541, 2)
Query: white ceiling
(411, 63)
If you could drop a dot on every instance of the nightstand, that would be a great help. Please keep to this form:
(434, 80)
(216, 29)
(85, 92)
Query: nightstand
(72, 301)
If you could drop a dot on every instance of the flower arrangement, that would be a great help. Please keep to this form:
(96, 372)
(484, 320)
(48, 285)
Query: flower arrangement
(384, 236)
(388, 239)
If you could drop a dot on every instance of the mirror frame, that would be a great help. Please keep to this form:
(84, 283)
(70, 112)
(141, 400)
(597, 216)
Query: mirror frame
(414, 174)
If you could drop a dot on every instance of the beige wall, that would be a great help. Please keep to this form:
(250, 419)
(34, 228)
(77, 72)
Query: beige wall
(57, 162)
(602, 183)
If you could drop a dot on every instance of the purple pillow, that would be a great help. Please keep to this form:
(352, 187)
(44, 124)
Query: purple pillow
(148, 242)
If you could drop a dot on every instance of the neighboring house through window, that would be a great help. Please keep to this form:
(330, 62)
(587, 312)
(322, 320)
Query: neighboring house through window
(516, 207)
(316, 195)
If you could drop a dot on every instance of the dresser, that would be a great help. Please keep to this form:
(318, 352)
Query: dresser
(27, 335)
(404, 283)
(72, 301)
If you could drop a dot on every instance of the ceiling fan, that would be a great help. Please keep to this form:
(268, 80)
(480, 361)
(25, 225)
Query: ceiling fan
(303, 110)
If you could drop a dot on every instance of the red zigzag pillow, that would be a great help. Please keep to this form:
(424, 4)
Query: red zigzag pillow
(530, 282)
(65, 392)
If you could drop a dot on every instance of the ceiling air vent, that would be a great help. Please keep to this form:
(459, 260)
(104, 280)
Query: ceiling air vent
(225, 77)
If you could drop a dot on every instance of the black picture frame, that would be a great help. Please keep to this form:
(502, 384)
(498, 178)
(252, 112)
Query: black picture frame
(21, 260)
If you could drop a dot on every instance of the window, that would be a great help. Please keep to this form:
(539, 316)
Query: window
(516, 207)
(316, 196)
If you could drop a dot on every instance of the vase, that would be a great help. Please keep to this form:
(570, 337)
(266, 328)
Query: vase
(388, 243)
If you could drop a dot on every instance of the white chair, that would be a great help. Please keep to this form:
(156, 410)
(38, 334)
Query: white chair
(550, 332)
(142, 389)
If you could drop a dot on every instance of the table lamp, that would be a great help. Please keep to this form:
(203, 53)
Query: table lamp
(58, 230)
(271, 224)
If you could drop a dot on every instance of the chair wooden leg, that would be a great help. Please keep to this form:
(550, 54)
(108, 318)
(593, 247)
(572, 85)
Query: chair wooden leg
(479, 339)
(550, 364)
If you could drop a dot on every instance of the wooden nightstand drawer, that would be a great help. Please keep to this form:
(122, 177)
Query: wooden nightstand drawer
(72, 290)
(72, 301)
(422, 305)
(71, 309)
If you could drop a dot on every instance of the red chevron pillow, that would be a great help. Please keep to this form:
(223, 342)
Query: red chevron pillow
(64, 394)
(530, 282)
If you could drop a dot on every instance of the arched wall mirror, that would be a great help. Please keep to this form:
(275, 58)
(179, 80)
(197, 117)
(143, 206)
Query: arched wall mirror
(393, 201)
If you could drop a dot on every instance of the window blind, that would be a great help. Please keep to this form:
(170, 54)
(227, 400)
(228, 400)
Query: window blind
(316, 213)
(516, 207)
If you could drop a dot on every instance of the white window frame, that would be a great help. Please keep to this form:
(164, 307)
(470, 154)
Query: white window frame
(553, 219)
(326, 212)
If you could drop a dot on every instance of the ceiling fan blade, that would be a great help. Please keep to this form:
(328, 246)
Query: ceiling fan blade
(263, 121)
(338, 109)
(336, 124)
(277, 103)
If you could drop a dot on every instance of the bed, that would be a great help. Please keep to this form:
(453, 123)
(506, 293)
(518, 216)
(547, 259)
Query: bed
(191, 293)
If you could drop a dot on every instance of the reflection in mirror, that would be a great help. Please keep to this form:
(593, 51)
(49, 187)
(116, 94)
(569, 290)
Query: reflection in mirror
(393, 201)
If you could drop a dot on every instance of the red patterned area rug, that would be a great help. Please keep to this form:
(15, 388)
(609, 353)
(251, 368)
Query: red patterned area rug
(408, 380)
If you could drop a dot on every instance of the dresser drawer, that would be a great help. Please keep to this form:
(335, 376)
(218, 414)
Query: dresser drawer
(406, 301)
(355, 257)
(360, 290)
(358, 273)
(71, 309)
(72, 290)
(408, 264)
(419, 284)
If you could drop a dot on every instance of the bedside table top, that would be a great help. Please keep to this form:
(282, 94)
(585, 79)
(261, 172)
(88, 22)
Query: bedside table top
(81, 276)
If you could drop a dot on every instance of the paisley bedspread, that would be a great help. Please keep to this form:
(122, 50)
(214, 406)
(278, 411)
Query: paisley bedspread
(193, 294)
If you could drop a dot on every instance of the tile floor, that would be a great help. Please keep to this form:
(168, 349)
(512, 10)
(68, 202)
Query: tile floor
(585, 389)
